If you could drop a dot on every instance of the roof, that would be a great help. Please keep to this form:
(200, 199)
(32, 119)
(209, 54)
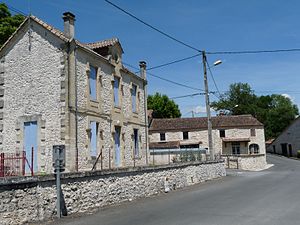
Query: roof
(201, 123)
(104, 43)
(236, 139)
(164, 145)
(63, 37)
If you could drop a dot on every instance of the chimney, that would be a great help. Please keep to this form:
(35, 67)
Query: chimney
(143, 69)
(69, 28)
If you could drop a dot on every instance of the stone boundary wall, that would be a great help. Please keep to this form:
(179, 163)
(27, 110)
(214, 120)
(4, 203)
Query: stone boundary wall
(246, 162)
(29, 199)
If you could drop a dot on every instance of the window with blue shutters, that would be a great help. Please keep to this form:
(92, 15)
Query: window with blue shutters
(116, 91)
(93, 83)
(133, 97)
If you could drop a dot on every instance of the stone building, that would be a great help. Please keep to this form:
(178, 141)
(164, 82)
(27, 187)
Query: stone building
(240, 136)
(288, 142)
(55, 90)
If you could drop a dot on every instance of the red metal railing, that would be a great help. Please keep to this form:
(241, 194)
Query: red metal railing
(13, 164)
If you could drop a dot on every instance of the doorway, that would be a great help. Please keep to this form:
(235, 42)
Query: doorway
(30, 141)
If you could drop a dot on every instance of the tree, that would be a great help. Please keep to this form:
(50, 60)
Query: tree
(238, 100)
(8, 23)
(275, 111)
(162, 106)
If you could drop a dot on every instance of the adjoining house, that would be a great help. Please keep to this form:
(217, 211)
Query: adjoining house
(288, 142)
(239, 136)
(55, 90)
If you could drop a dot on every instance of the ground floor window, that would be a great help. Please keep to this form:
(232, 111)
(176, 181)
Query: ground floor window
(136, 142)
(236, 148)
(254, 149)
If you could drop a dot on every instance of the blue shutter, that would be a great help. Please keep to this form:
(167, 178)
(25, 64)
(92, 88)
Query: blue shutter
(133, 98)
(93, 144)
(93, 83)
(116, 91)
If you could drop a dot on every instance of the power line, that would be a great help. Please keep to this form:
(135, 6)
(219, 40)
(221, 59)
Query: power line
(152, 27)
(15, 10)
(191, 95)
(212, 76)
(167, 80)
(173, 62)
(254, 51)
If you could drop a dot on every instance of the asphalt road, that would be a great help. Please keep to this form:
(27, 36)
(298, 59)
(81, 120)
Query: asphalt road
(268, 197)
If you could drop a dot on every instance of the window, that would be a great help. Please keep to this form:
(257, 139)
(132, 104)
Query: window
(185, 135)
(93, 83)
(222, 133)
(93, 138)
(254, 149)
(133, 97)
(162, 136)
(274, 149)
(235, 148)
(116, 91)
(252, 132)
(136, 142)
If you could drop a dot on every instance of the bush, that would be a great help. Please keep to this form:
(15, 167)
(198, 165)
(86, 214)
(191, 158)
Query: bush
(298, 154)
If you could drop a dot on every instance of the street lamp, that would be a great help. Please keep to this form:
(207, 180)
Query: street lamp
(207, 103)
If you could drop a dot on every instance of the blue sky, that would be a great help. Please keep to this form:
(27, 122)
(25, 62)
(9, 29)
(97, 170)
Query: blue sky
(216, 25)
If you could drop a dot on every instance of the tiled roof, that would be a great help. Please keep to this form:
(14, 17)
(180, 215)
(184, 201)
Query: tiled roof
(201, 123)
(164, 145)
(102, 44)
(50, 28)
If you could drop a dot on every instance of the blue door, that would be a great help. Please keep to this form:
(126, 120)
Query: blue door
(30, 140)
(117, 147)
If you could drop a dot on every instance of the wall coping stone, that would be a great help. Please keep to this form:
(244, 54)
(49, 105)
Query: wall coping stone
(8, 183)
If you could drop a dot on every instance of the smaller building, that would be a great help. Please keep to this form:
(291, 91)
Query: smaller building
(240, 136)
(288, 142)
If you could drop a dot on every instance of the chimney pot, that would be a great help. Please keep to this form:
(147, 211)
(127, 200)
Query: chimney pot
(69, 24)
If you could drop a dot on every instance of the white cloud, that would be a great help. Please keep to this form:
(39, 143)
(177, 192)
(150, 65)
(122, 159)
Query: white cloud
(289, 97)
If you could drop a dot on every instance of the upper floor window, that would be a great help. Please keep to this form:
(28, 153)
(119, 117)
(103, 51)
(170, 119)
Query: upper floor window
(222, 133)
(185, 135)
(133, 97)
(252, 132)
(93, 83)
(116, 91)
(162, 136)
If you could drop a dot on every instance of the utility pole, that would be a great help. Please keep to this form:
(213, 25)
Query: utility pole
(193, 113)
(209, 124)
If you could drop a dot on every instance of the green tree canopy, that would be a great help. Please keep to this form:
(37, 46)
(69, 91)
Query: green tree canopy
(275, 111)
(162, 106)
(8, 23)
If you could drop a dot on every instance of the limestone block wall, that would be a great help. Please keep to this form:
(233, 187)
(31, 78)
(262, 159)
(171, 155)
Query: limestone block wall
(201, 135)
(290, 136)
(32, 79)
(246, 162)
(33, 199)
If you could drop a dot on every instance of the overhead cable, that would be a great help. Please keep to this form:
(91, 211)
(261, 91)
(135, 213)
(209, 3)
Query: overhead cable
(152, 27)
(167, 80)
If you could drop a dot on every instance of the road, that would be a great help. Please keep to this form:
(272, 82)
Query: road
(268, 197)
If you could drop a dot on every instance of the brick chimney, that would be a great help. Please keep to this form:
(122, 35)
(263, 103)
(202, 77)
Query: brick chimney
(69, 21)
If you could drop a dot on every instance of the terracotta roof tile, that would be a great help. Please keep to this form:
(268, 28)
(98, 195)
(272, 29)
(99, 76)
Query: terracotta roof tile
(201, 123)
(104, 43)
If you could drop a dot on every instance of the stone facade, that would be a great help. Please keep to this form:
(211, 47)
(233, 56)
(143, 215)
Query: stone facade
(45, 79)
(33, 199)
(288, 142)
(243, 136)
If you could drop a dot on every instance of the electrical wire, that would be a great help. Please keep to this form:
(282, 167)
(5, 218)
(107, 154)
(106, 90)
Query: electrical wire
(15, 10)
(167, 80)
(152, 27)
(214, 81)
(254, 51)
(191, 95)
(173, 62)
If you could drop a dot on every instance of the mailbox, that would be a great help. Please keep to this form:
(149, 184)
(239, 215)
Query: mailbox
(59, 157)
